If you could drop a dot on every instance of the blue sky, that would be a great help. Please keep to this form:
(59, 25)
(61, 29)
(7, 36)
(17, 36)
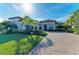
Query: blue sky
(38, 11)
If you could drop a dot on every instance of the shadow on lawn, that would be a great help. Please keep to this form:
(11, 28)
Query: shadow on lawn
(4, 38)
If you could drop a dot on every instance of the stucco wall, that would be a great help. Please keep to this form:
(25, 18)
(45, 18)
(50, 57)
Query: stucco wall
(19, 24)
(50, 25)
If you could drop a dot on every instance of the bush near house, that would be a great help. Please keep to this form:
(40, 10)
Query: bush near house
(36, 32)
(75, 29)
(68, 29)
(40, 32)
(28, 43)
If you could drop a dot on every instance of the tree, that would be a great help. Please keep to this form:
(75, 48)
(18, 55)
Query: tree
(29, 21)
(73, 21)
(1, 27)
(7, 26)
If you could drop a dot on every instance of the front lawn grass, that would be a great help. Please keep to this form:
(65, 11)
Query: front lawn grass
(10, 37)
(8, 48)
(18, 43)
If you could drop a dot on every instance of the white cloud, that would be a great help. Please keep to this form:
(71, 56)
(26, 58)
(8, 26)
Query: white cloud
(39, 19)
(16, 7)
(24, 8)
(3, 19)
(63, 19)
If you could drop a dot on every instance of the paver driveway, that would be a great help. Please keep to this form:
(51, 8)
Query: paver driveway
(57, 43)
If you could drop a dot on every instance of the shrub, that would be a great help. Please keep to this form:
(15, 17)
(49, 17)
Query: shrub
(39, 32)
(69, 30)
(30, 32)
(9, 32)
(25, 46)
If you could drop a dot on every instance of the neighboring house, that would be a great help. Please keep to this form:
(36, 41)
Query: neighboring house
(49, 25)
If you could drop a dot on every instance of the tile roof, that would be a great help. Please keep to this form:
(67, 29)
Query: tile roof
(48, 20)
(14, 17)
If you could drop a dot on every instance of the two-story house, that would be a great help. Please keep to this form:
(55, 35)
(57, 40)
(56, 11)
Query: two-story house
(17, 21)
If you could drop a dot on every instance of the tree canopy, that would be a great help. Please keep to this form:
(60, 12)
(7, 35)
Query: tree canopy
(73, 21)
(29, 21)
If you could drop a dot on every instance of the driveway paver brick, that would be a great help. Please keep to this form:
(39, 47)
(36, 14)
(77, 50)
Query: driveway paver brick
(58, 43)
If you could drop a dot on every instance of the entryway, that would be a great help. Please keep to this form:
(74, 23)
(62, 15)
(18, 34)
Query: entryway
(45, 27)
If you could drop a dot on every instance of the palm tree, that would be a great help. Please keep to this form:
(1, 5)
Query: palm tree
(73, 21)
(29, 21)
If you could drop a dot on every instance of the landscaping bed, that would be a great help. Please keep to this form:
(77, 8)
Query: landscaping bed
(14, 44)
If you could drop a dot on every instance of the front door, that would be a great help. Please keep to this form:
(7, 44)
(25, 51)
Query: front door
(45, 27)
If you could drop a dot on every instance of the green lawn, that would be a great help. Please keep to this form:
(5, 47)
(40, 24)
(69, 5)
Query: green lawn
(9, 37)
(11, 44)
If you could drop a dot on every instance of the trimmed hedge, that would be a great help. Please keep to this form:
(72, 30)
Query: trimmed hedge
(37, 32)
(42, 33)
